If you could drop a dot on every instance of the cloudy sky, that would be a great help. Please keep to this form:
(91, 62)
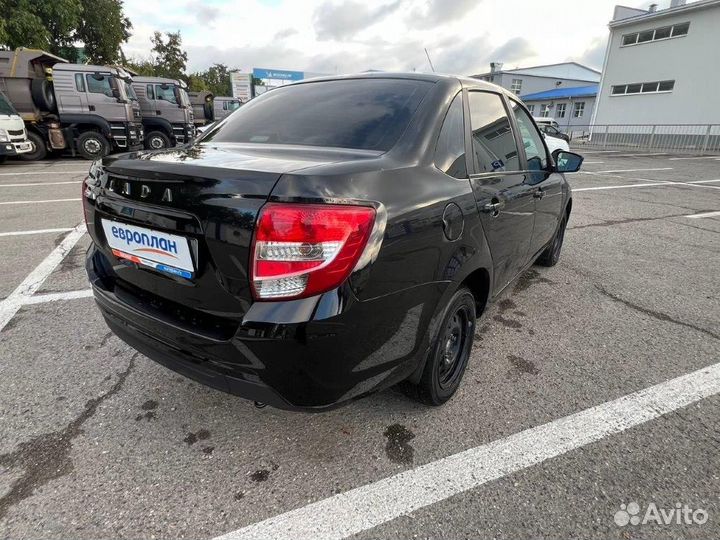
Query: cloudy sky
(343, 36)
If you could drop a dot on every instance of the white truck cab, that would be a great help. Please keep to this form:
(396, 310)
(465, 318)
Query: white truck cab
(13, 138)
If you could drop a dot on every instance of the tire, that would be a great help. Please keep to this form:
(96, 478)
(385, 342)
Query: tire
(42, 95)
(449, 354)
(92, 145)
(208, 112)
(156, 140)
(551, 255)
(39, 150)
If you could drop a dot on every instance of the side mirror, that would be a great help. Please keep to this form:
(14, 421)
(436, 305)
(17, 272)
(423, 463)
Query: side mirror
(567, 162)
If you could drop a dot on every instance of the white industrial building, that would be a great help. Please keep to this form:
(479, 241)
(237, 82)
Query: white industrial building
(662, 66)
(535, 79)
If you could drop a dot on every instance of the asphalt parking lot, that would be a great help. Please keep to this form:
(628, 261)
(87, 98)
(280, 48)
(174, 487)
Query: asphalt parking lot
(593, 384)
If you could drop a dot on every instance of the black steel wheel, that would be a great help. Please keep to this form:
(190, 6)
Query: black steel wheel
(450, 352)
(551, 255)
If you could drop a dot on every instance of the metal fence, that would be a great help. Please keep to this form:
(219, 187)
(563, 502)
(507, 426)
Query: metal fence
(671, 138)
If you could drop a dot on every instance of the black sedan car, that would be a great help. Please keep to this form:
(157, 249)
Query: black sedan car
(331, 238)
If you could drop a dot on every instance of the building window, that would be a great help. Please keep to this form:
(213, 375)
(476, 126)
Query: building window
(655, 87)
(516, 86)
(579, 109)
(656, 34)
(544, 110)
(531, 108)
(560, 110)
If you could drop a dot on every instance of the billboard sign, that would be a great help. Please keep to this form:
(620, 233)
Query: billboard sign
(278, 74)
(241, 84)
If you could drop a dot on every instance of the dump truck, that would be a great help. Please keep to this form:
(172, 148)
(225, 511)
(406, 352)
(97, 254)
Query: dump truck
(224, 106)
(71, 108)
(167, 114)
(203, 110)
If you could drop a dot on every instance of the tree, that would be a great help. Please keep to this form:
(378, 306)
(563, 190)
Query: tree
(216, 79)
(103, 28)
(169, 57)
(57, 25)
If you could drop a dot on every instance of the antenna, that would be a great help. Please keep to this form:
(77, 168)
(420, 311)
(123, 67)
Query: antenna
(428, 57)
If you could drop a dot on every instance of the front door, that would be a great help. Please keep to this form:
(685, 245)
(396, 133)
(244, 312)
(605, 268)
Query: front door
(100, 98)
(504, 200)
(546, 186)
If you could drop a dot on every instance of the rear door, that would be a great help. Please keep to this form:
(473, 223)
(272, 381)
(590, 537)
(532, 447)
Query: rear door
(504, 200)
(545, 185)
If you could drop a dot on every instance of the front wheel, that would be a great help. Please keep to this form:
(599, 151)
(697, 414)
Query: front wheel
(551, 255)
(156, 140)
(93, 145)
(39, 149)
(450, 351)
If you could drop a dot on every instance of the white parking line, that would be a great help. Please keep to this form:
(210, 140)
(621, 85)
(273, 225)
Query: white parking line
(54, 297)
(642, 155)
(41, 184)
(592, 162)
(625, 186)
(706, 214)
(42, 172)
(40, 202)
(696, 183)
(634, 170)
(694, 157)
(10, 306)
(37, 231)
(366, 507)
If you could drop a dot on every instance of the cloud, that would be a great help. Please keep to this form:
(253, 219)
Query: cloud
(287, 32)
(438, 12)
(343, 20)
(205, 14)
(594, 55)
(514, 50)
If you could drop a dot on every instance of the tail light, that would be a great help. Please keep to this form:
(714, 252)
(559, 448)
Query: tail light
(301, 250)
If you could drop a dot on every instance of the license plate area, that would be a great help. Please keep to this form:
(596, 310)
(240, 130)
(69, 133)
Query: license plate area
(164, 252)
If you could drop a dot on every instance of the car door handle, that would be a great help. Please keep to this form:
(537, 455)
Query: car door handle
(539, 193)
(493, 207)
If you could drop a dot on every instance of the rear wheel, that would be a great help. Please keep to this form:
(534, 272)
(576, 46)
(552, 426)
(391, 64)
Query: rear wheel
(92, 145)
(39, 149)
(551, 255)
(156, 140)
(450, 351)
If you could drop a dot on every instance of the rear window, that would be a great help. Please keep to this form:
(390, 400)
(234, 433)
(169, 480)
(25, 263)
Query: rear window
(364, 114)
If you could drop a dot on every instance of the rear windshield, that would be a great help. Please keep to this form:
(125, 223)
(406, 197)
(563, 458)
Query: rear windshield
(365, 114)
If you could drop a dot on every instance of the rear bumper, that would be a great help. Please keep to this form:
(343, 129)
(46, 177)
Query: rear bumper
(15, 148)
(335, 350)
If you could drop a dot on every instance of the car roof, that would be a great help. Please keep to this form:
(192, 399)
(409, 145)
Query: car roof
(466, 82)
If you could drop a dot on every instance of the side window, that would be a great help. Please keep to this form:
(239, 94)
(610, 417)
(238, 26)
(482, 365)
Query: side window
(149, 91)
(493, 141)
(79, 82)
(450, 149)
(165, 94)
(532, 140)
(99, 84)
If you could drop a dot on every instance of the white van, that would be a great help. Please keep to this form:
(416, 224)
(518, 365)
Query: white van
(13, 138)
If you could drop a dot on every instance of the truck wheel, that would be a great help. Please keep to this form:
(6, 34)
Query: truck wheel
(551, 255)
(450, 351)
(156, 140)
(39, 149)
(92, 145)
(42, 95)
